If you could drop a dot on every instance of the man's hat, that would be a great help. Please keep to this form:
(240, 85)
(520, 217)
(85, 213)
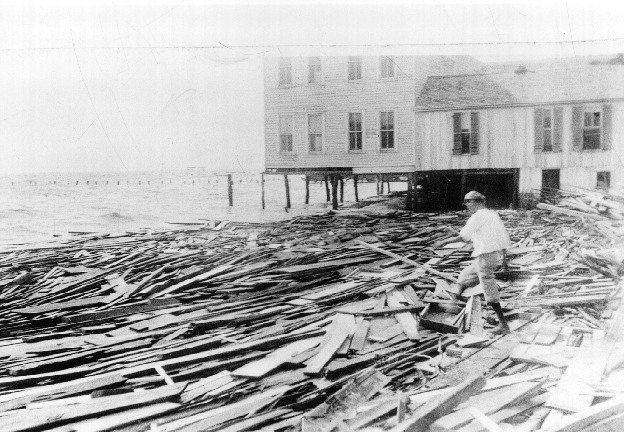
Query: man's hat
(474, 196)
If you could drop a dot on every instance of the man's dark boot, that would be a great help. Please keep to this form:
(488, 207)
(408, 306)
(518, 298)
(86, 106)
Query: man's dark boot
(503, 327)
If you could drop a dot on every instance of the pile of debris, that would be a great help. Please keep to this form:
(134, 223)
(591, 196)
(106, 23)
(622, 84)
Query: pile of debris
(333, 322)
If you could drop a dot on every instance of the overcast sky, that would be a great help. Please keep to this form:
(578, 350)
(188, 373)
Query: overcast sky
(159, 85)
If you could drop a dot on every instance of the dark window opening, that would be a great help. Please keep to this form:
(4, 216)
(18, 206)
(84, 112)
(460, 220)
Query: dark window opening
(355, 131)
(603, 180)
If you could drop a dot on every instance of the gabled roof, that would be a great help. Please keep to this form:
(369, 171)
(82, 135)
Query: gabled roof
(588, 83)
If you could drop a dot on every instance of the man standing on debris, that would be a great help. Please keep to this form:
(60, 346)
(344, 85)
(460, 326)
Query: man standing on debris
(490, 240)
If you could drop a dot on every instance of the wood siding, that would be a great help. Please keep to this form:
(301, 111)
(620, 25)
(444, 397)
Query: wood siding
(507, 140)
(335, 97)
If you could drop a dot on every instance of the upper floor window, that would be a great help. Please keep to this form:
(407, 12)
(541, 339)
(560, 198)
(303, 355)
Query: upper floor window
(386, 129)
(314, 70)
(286, 133)
(355, 68)
(592, 127)
(355, 131)
(465, 133)
(387, 67)
(285, 71)
(315, 132)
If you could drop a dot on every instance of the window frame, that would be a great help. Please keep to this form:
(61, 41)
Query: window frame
(358, 69)
(322, 134)
(464, 116)
(280, 134)
(389, 60)
(310, 70)
(592, 111)
(382, 131)
(606, 178)
(281, 67)
(548, 132)
(352, 132)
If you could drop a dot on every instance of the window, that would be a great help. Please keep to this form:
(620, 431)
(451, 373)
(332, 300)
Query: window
(286, 133)
(355, 68)
(548, 131)
(386, 129)
(591, 130)
(387, 67)
(592, 127)
(285, 71)
(355, 131)
(315, 132)
(465, 133)
(603, 180)
(314, 70)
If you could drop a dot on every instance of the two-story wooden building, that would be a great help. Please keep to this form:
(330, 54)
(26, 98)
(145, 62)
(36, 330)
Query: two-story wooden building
(444, 123)
(347, 115)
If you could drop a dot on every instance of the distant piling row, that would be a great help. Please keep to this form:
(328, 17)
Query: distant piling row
(334, 185)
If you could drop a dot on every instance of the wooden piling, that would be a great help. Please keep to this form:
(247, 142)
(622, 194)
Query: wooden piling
(230, 190)
(262, 187)
(341, 189)
(334, 184)
(381, 184)
(409, 201)
(307, 197)
(355, 190)
(287, 188)
(327, 189)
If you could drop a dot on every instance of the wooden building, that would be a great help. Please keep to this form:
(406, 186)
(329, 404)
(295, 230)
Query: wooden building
(444, 124)
(520, 131)
(344, 116)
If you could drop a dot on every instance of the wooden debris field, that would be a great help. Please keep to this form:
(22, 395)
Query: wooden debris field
(330, 322)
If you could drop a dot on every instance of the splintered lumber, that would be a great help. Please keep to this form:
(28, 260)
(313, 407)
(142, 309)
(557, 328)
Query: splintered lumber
(581, 421)
(408, 261)
(568, 212)
(214, 417)
(435, 408)
(22, 398)
(323, 266)
(113, 421)
(486, 402)
(259, 368)
(24, 420)
(340, 328)
(74, 304)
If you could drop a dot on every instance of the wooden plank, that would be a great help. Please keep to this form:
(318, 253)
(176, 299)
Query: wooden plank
(339, 329)
(476, 316)
(582, 420)
(113, 421)
(359, 337)
(73, 304)
(409, 261)
(406, 319)
(487, 402)
(423, 417)
(22, 398)
(259, 368)
(485, 421)
(547, 334)
(47, 417)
